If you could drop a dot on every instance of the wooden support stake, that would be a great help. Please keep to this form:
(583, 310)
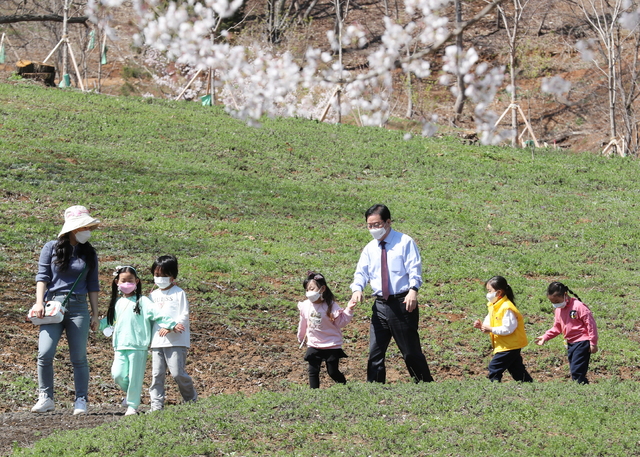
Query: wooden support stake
(75, 66)
(526, 122)
(188, 84)
(326, 109)
(54, 50)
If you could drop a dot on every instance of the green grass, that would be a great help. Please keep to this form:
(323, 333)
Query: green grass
(451, 418)
(248, 211)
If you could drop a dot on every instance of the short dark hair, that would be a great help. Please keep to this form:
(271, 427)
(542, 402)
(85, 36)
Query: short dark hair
(168, 265)
(380, 210)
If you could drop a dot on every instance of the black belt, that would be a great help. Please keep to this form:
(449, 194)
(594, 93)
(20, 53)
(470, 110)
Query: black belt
(392, 297)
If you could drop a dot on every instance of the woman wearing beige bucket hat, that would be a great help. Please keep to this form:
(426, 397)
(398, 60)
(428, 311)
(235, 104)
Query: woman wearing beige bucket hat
(63, 261)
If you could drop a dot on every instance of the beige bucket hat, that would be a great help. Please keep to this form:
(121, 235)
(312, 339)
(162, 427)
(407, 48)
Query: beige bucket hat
(76, 217)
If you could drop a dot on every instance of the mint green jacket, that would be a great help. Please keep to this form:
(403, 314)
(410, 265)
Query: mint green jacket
(133, 331)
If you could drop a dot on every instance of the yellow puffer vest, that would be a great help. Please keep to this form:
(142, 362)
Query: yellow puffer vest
(516, 340)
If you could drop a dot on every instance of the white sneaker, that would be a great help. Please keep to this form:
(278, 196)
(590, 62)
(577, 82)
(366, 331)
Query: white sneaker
(124, 402)
(131, 411)
(44, 404)
(80, 406)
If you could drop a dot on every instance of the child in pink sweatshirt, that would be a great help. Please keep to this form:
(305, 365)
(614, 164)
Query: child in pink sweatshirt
(321, 321)
(575, 321)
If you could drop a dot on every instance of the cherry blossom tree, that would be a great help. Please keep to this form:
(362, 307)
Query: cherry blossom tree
(614, 51)
(261, 82)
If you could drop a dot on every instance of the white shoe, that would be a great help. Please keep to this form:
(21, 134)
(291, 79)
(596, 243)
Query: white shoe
(131, 411)
(80, 406)
(124, 402)
(44, 404)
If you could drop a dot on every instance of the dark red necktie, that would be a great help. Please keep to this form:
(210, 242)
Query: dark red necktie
(384, 271)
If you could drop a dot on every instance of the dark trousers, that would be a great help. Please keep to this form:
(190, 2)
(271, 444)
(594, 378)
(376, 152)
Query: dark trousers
(390, 319)
(508, 361)
(579, 355)
(332, 369)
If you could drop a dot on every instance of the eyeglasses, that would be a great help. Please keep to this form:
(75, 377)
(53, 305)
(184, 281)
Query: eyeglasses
(377, 225)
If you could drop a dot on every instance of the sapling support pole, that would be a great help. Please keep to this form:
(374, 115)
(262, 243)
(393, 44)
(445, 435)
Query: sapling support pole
(4, 38)
(65, 41)
(514, 106)
(617, 143)
(326, 109)
(188, 84)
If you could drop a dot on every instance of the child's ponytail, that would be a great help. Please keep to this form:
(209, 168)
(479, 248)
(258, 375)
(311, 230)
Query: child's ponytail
(559, 288)
(500, 283)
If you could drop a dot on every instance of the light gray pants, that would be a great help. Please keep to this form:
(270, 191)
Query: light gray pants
(173, 358)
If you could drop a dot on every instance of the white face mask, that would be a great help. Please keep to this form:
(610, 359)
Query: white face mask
(559, 305)
(313, 295)
(162, 281)
(378, 233)
(83, 237)
(491, 296)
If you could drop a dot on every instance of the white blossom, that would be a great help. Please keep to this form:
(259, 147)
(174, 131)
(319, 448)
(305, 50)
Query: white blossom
(555, 85)
(253, 81)
(584, 47)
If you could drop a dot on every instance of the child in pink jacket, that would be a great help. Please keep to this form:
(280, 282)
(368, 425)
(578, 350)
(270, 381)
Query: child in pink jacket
(575, 321)
(321, 321)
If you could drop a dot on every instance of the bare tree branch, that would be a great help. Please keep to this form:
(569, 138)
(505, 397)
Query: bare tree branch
(42, 18)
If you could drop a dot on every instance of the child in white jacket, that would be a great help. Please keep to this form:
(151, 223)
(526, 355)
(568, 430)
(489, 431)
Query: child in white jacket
(169, 350)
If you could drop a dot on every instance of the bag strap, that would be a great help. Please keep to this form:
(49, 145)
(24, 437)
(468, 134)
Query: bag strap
(74, 285)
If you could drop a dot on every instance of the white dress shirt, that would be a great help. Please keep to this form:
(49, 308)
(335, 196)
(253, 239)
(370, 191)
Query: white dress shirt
(403, 261)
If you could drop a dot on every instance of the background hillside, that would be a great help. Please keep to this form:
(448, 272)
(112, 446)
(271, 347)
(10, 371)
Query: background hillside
(249, 210)
(547, 47)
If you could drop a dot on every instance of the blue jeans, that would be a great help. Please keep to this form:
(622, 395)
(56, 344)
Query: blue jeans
(76, 325)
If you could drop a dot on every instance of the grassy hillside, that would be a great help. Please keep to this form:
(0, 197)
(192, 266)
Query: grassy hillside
(444, 419)
(248, 211)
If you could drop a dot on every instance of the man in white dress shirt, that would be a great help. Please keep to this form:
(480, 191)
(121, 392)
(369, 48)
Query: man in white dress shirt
(395, 310)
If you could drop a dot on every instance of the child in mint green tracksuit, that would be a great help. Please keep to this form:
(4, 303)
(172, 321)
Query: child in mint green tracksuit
(132, 316)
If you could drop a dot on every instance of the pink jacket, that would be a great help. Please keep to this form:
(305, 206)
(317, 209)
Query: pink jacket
(320, 331)
(575, 322)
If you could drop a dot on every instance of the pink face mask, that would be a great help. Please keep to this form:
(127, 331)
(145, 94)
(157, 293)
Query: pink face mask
(127, 287)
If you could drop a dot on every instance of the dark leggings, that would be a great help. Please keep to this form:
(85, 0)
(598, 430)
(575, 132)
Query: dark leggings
(332, 369)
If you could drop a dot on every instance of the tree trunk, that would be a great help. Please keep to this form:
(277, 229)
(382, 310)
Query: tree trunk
(612, 95)
(460, 99)
(409, 113)
(65, 30)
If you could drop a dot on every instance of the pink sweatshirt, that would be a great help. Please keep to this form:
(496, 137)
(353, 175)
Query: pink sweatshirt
(320, 331)
(575, 322)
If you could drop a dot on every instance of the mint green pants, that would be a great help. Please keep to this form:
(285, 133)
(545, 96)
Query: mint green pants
(128, 372)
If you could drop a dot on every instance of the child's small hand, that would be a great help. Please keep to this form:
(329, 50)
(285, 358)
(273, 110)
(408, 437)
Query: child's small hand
(477, 324)
(163, 332)
(540, 341)
(351, 305)
(593, 348)
(179, 328)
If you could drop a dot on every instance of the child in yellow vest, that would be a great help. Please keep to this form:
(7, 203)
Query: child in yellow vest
(505, 326)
